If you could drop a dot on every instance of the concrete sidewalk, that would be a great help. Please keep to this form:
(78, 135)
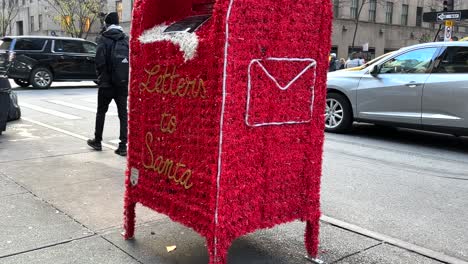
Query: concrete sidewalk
(62, 203)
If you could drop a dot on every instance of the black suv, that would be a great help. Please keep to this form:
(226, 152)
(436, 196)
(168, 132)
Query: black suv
(38, 61)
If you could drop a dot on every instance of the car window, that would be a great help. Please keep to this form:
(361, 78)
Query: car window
(416, 61)
(89, 47)
(5, 44)
(69, 46)
(453, 60)
(30, 44)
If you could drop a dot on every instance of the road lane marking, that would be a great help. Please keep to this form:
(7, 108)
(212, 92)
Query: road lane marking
(79, 107)
(50, 111)
(115, 141)
(64, 131)
(440, 256)
(93, 100)
(89, 100)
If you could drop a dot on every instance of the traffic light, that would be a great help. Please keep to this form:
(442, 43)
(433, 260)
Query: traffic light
(448, 5)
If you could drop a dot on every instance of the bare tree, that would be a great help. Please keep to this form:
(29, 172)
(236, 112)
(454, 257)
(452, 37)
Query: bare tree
(7, 15)
(360, 6)
(77, 17)
(425, 37)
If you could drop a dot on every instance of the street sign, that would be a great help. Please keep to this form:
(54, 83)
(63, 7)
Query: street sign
(443, 16)
(365, 47)
(449, 23)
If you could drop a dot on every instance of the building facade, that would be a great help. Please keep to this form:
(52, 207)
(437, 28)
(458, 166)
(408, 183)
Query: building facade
(386, 25)
(37, 17)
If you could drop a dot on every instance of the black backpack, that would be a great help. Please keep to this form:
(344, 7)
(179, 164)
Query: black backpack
(14, 113)
(120, 62)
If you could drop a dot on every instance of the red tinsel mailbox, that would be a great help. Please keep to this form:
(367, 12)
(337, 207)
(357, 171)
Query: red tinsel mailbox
(227, 104)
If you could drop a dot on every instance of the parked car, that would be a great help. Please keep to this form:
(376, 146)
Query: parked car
(39, 61)
(423, 87)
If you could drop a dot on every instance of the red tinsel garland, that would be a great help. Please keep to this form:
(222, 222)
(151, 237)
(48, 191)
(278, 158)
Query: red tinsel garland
(229, 140)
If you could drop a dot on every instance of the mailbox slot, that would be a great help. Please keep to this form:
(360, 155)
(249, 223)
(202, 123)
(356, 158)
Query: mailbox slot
(201, 12)
(188, 24)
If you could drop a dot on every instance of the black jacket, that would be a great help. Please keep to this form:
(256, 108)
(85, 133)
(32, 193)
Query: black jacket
(103, 60)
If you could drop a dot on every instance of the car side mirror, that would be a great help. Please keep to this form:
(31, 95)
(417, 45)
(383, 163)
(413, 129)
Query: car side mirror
(375, 70)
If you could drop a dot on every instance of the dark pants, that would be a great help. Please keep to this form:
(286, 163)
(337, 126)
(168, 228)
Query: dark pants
(104, 99)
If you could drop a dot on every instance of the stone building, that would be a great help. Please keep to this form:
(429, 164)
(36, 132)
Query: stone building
(386, 25)
(37, 17)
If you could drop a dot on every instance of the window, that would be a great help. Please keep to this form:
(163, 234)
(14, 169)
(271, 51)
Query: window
(40, 21)
(404, 15)
(336, 8)
(5, 44)
(354, 8)
(454, 60)
(416, 61)
(30, 44)
(419, 16)
(66, 22)
(365, 55)
(119, 9)
(389, 13)
(31, 21)
(69, 46)
(19, 28)
(389, 50)
(372, 10)
(89, 47)
(86, 24)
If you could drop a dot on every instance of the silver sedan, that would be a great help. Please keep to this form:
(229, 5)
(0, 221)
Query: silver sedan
(423, 86)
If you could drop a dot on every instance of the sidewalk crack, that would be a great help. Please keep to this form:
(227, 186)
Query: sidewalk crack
(47, 246)
(357, 252)
(121, 249)
(49, 204)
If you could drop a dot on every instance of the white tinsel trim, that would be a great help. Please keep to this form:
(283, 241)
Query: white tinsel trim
(187, 42)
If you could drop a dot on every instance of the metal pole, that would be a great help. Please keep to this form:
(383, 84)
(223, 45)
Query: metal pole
(438, 32)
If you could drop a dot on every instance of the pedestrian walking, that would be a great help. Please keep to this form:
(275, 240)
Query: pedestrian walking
(332, 64)
(354, 61)
(112, 66)
(342, 63)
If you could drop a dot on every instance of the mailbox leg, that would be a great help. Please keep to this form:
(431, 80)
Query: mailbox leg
(129, 220)
(312, 237)
(218, 250)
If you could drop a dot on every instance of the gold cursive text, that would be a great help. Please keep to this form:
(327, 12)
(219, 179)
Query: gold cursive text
(169, 82)
(169, 125)
(179, 173)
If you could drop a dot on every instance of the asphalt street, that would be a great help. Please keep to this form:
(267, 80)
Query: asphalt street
(408, 185)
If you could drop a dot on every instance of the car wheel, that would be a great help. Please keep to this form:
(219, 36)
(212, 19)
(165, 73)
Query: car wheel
(22, 83)
(338, 114)
(41, 78)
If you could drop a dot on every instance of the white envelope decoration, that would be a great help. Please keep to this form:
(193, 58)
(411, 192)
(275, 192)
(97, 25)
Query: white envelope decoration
(280, 91)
